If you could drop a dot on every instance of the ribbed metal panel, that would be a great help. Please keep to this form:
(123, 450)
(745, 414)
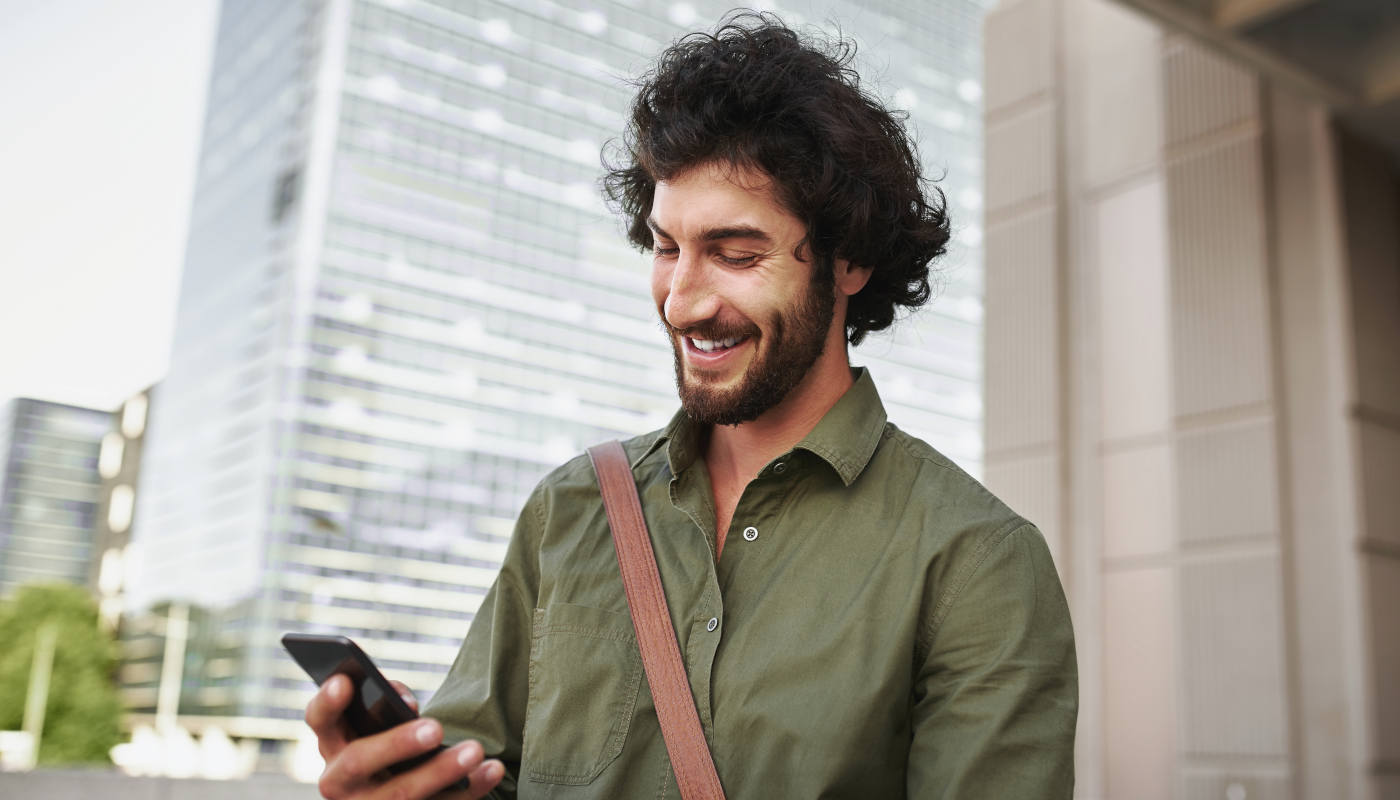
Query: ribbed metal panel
(1232, 641)
(1227, 482)
(1205, 93)
(1021, 160)
(1021, 357)
(1018, 32)
(1219, 298)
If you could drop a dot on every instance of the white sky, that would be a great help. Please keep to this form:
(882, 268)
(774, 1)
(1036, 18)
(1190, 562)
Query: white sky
(101, 104)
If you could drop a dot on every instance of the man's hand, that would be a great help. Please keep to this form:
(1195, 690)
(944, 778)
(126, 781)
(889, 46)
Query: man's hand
(355, 768)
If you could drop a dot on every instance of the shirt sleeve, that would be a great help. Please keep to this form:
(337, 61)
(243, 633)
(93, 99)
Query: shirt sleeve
(996, 698)
(484, 695)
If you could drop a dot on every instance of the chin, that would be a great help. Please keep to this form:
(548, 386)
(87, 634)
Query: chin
(708, 404)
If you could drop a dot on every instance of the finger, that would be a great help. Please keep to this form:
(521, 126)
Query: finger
(406, 693)
(485, 778)
(324, 714)
(437, 777)
(361, 760)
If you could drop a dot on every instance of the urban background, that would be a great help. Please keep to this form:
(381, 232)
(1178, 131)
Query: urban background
(386, 297)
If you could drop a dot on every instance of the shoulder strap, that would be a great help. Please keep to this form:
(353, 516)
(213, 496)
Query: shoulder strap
(661, 656)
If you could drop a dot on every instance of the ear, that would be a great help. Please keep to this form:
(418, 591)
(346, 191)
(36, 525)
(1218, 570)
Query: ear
(850, 279)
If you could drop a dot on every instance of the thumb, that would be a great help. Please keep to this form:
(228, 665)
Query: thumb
(406, 693)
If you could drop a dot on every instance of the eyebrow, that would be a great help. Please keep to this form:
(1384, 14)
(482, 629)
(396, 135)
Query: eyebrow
(719, 234)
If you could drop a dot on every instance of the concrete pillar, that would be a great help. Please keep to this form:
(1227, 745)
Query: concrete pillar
(1193, 387)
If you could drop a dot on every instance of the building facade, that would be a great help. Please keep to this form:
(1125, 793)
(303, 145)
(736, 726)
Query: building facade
(1193, 379)
(49, 491)
(404, 300)
(119, 469)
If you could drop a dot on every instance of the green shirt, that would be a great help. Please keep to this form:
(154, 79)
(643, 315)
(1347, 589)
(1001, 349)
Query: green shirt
(879, 626)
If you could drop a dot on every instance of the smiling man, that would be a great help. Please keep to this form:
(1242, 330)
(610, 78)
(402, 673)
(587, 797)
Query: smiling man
(857, 616)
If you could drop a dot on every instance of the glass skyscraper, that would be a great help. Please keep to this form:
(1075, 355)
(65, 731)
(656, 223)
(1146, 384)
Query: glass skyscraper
(404, 301)
(49, 491)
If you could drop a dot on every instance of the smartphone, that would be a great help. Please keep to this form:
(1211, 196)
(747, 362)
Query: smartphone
(376, 705)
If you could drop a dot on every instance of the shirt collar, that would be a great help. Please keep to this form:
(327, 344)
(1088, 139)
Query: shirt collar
(845, 438)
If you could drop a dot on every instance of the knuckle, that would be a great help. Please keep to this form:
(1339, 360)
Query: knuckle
(348, 763)
(318, 714)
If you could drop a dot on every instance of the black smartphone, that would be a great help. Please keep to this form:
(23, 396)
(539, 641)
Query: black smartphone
(376, 705)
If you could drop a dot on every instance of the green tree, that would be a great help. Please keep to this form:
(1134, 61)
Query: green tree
(82, 720)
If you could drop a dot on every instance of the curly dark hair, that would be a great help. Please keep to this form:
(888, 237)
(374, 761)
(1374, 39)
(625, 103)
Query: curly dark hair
(755, 94)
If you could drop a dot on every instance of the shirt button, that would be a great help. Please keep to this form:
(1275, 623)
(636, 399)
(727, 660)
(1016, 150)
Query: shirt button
(750, 533)
(712, 624)
(780, 467)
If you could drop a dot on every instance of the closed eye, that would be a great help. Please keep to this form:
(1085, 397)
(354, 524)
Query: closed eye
(737, 261)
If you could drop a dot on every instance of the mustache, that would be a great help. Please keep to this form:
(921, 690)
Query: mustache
(713, 330)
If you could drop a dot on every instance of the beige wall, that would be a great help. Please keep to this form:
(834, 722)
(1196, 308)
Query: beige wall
(1193, 387)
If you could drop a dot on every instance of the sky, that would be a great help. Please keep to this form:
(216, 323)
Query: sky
(101, 105)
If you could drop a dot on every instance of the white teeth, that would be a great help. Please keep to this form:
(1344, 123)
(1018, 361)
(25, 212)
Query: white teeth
(709, 345)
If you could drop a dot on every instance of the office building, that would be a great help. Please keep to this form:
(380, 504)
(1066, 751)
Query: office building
(49, 491)
(404, 301)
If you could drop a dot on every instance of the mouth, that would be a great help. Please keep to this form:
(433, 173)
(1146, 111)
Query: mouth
(714, 345)
(708, 355)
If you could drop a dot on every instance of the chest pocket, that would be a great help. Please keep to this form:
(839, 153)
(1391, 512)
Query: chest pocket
(584, 676)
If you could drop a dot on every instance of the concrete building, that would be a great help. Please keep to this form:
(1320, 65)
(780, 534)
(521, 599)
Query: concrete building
(403, 301)
(1193, 378)
(119, 468)
(49, 491)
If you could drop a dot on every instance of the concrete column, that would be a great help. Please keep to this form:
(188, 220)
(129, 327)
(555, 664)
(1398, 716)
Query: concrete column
(1193, 387)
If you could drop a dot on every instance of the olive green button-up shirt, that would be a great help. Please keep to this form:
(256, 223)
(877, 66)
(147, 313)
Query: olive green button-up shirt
(879, 626)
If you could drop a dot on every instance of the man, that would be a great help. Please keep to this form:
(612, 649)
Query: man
(858, 617)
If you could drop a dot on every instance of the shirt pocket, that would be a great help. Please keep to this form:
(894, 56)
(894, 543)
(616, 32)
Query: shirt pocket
(584, 676)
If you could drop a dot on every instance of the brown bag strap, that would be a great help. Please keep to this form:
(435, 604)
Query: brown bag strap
(661, 656)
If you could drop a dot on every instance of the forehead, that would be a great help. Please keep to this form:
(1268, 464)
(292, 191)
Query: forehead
(717, 195)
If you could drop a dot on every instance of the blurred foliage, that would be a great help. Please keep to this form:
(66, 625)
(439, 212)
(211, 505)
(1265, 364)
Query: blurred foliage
(82, 720)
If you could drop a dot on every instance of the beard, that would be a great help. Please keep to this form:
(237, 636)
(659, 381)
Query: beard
(796, 339)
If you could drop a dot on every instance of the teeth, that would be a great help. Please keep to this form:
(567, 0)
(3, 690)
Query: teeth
(709, 345)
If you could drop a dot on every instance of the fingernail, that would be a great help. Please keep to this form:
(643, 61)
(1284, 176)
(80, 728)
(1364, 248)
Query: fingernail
(425, 733)
(408, 698)
(470, 752)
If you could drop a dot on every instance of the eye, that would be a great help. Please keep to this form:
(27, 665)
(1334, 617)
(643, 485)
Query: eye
(665, 252)
(737, 261)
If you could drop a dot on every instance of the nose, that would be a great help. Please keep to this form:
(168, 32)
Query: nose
(690, 297)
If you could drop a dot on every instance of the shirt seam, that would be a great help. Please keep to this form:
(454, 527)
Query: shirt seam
(964, 576)
(537, 511)
(906, 443)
